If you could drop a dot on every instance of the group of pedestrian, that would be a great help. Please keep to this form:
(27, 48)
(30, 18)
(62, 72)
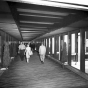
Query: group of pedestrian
(26, 51)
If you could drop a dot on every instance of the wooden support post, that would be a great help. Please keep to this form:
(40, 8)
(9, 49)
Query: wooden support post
(69, 48)
(54, 46)
(57, 46)
(47, 45)
(61, 39)
(82, 50)
(76, 47)
(50, 45)
(45, 42)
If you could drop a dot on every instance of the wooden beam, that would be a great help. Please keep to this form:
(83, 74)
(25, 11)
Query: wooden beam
(76, 46)
(12, 7)
(69, 48)
(82, 50)
(51, 45)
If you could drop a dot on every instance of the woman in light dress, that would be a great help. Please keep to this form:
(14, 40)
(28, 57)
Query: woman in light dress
(28, 52)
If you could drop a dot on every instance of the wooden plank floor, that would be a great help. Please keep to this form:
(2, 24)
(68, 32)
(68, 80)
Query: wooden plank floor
(37, 75)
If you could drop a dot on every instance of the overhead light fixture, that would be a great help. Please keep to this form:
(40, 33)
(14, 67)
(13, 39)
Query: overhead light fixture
(36, 22)
(7, 23)
(14, 29)
(28, 26)
(42, 12)
(11, 29)
(70, 1)
(25, 31)
(27, 36)
(73, 4)
(7, 29)
(41, 16)
(32, 29)
(29, 31)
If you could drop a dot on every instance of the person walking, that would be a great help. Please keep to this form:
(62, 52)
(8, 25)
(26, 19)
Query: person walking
(28, 53)
(21, 50)
(42, 52)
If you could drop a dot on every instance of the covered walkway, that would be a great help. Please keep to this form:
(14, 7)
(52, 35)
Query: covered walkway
(37, 75)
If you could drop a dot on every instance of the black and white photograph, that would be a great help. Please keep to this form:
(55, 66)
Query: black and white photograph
(43, 43)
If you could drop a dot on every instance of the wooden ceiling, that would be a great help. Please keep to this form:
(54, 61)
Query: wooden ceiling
(28, 21)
